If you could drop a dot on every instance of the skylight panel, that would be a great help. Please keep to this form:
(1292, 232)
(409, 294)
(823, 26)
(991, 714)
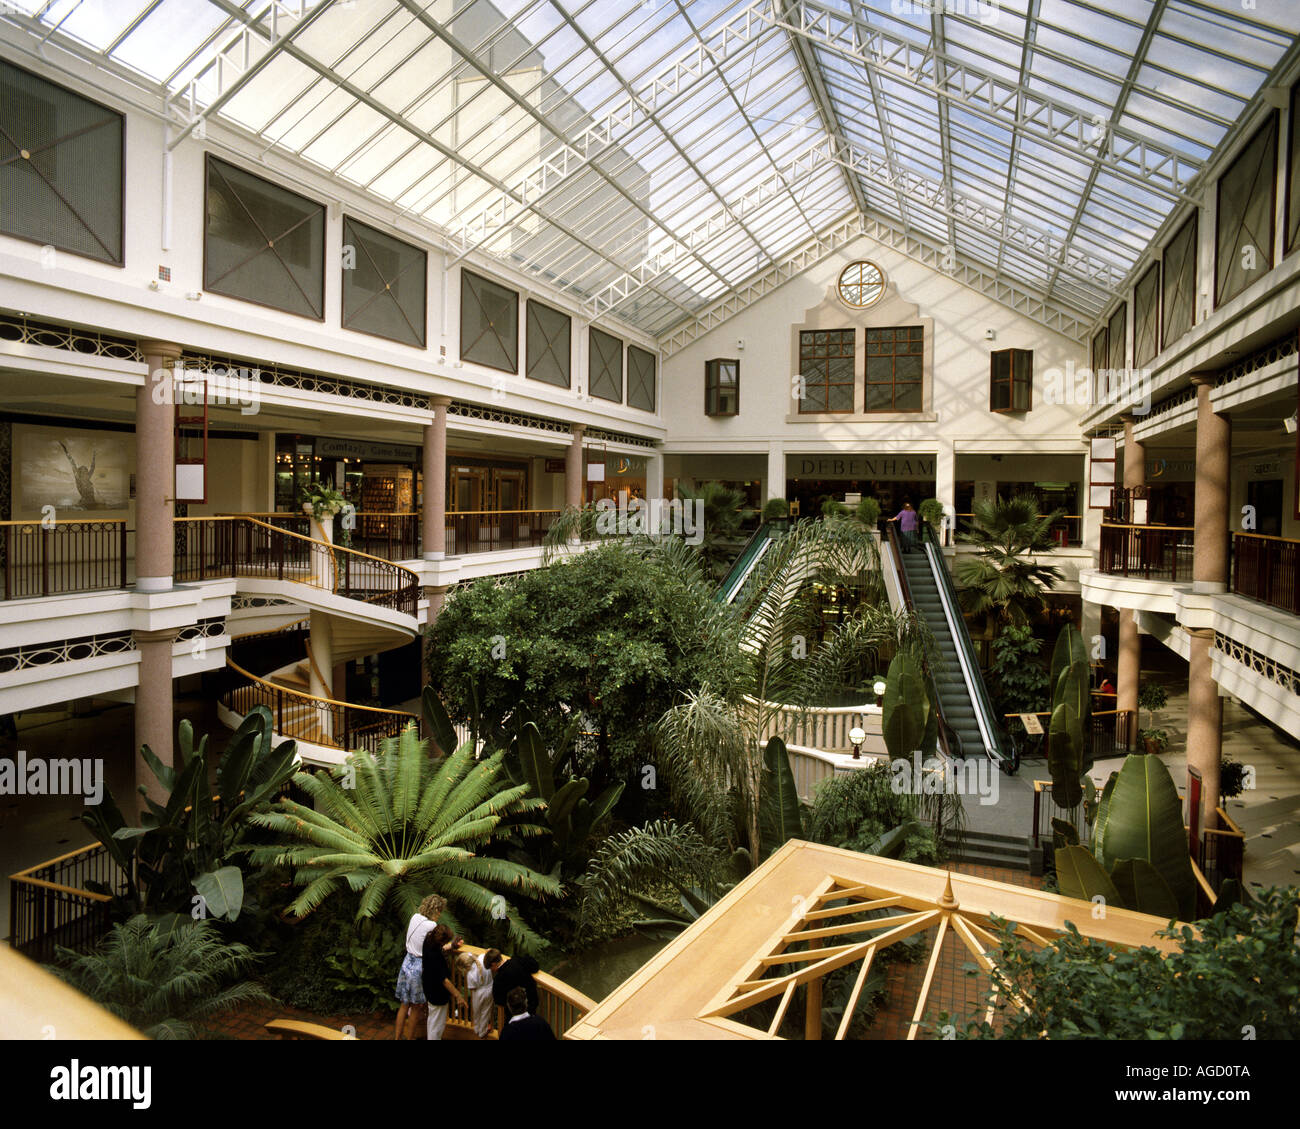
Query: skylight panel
(167, 37)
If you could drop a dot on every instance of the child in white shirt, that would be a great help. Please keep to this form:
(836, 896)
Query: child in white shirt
(478, 979)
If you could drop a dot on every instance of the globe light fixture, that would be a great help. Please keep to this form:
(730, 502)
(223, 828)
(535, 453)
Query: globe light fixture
(856, 737)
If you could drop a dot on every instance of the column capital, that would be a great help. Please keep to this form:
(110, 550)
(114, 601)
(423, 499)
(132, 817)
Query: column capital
(578, 429)
(1200, 633)
(432, 590)
(440, 401)
(165, 635)
(166, 350)
(1204, 379)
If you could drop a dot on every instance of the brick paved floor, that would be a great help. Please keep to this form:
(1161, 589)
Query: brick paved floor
(250, 1022)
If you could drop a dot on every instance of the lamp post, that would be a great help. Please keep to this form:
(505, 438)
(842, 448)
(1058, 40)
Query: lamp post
(880, 688)
(856, 737)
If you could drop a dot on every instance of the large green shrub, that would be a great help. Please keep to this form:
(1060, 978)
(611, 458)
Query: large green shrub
(858, 809)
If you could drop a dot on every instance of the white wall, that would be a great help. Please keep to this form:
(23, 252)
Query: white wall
(957, 420)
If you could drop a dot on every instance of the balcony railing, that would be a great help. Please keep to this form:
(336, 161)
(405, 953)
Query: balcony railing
(209, 548)
(53, 558)
(1267, 569)
(49, 903)
(319, 721)
(485, 531)
(1149, 552)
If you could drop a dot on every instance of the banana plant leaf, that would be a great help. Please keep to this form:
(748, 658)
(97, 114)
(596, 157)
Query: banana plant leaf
(1142, 888)
(1103, 816)
(222, 891)
(1068, 651)
(779, 815)
(535, 762)
(438, 720)
(906, 707)
(1145, 821)
(1079, 875)
(562, 802)
(1066, 834)
(892, 842)
(1065, 757)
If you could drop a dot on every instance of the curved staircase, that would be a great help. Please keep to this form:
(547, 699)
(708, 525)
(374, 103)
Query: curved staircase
(357, 605)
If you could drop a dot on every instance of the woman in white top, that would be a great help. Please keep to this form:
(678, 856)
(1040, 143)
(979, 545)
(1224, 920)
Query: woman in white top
(410, 983)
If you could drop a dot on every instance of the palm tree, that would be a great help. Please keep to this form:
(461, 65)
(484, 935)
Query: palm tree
(1002, 581)
(720, 520)
(164, 978)
(400, 825)
(711, 744)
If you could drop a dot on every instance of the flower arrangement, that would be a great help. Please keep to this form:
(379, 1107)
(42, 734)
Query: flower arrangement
(322, 500)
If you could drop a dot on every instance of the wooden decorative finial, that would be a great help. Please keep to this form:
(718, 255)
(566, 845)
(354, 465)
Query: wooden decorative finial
(948, 900)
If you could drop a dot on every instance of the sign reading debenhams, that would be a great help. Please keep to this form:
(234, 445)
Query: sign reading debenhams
(887, 467)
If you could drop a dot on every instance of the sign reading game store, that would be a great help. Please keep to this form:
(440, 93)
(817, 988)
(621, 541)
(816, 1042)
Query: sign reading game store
(897, 468)
(364, 449)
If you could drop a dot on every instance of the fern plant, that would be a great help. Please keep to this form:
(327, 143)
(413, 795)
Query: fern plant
(164, 977)
(397, 825)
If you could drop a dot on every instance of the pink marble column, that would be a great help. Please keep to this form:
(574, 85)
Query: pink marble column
(155, 469)
(437, 596)
(1128, 665)
(573, 468)
(434, 518)
(1209, 575)
(154, 722)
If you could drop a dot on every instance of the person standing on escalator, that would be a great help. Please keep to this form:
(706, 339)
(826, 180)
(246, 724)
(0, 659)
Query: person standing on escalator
(907, 518)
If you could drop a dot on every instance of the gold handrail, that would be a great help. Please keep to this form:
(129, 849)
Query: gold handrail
(1268, 537)
(312, 697)
(45, 523)
(1160, 528)
(60, 858)
(310, 540)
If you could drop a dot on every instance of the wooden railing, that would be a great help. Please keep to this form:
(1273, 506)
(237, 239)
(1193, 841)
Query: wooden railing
(320, 721)
(1223, 850)
(1267, 569)
(1150, 552)
(56, 557)
(208, 548)
(49, 904)
(558, 1003)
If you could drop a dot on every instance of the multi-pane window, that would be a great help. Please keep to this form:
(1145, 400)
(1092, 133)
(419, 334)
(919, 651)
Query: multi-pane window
(1293, 178)
(549, 345)
(826, 370)
(1146, 316)
(1179, 282)
(722, 387)
(489, 323)
(383, 284)
(605, 370)
(1117, 345)
(894, 369)
(640, 379)
(263, 243)
(1243, 237)
(60, 167)
(1011, 380)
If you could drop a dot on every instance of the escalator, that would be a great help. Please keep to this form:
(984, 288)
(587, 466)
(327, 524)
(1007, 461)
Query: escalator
(750, 554)
(964, 703)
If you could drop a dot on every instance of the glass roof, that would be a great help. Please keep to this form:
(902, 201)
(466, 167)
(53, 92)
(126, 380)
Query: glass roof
(647, 157)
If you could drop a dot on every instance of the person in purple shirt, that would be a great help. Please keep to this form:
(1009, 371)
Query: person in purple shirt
(907, 518)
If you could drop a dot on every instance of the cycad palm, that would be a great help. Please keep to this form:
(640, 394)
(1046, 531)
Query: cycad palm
(400, 826)
(163, 981)
(1002, 580)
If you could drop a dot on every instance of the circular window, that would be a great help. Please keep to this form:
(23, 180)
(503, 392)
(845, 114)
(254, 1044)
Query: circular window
(861, 285)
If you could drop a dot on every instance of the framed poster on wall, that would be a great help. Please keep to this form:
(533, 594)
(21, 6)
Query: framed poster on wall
(81, 473)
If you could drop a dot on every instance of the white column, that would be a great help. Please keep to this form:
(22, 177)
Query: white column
(945, 484)
(774, 486)
(654, 475)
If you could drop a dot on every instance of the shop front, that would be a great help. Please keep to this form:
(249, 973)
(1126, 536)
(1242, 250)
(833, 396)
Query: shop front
(614, 476)
(889, 478)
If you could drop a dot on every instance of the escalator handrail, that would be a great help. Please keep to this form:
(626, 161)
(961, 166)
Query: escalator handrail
(736, 574)
(891, 533)
(997, 752)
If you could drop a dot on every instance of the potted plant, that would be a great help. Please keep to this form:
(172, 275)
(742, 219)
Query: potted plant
(869, 512)
(776, 509)
(1153, 697)
(931, 510)
(1232, 778)
(322, 500)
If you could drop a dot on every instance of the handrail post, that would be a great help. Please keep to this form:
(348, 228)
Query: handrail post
(45, 561)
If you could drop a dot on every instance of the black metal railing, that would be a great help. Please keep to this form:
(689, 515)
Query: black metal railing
(1148, 552)
(50, 906)
(1267, 569)
(52, 558)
